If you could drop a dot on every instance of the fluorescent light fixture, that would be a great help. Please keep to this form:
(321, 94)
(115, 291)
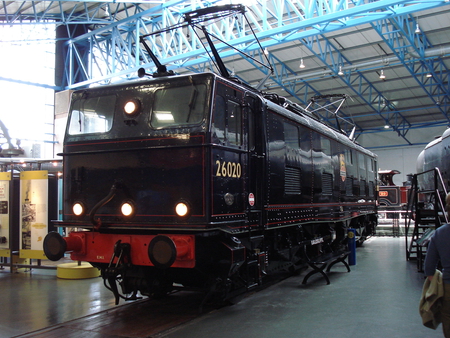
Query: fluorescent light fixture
(164, 116)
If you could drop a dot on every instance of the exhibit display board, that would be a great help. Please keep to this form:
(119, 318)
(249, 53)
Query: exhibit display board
(5, 179)
(34, 213)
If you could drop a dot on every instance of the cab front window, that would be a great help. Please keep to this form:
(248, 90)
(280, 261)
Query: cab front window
(92, 115)
(178, 106)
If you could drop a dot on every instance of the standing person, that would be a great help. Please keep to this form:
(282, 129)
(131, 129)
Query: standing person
(439, 251)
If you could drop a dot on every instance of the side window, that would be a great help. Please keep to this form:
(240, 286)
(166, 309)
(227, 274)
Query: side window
(316, 144)
(349, 156)
(370, 164)
(362, 161)
(291, 136)
(305, 140)
(326, 145)
(234, 119)
(227, 122)
(219, 121)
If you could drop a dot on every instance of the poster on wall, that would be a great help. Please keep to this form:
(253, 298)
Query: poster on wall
(33, 213)
(5, 179)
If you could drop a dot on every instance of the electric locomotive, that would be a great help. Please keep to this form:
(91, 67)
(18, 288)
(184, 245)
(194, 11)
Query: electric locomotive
(202, 182)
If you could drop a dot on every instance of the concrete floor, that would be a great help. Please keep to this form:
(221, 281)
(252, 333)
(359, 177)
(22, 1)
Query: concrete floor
(378, 298)
(34, 300)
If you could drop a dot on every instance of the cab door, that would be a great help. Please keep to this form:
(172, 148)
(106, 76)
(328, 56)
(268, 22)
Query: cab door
(256, 173)
(228, 157)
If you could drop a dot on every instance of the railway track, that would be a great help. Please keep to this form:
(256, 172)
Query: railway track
(143, 318)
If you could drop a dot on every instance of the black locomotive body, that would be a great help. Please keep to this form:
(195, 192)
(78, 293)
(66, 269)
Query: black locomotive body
(201, 182)
(435, 155)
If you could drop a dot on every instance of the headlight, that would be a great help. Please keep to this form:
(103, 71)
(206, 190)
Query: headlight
(127, 209)
(78, 209)
(132, 107)
(182, 209)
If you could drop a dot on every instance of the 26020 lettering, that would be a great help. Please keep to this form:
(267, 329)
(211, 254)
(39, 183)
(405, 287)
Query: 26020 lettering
(228, 169)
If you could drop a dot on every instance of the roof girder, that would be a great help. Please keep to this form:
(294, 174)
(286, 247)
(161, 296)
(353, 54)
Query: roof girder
(400, 35)
(282, 21)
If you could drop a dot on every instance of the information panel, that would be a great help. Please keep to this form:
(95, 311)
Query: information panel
(34, 213)
(5, 179)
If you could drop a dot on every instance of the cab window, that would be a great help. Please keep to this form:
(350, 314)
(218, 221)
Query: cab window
(227, 122)
(92, 115)
(178, 106)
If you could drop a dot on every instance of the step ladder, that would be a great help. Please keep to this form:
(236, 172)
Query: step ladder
(427, 209)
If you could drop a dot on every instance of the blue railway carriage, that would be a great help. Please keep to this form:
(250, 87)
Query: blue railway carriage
(198, 181)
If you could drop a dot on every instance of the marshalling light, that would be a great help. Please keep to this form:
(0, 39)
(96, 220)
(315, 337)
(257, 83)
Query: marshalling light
(132, 107)
(127, 209)
(182, 209)
(78, 209)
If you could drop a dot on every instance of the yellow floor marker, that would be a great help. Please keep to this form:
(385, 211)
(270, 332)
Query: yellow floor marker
(76, 270)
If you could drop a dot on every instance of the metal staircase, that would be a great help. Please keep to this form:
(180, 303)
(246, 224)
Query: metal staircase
(426, 207)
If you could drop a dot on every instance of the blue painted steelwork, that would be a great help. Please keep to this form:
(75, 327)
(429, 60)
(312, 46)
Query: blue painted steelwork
(115, 55)
(181, 49)
(332, 58)
(282, 21)
(411, 49)
(92, 12)
(299, 89)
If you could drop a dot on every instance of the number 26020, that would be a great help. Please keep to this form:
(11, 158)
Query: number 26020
(228, 169)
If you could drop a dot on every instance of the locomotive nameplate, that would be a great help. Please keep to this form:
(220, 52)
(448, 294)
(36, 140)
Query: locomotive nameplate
(228, 169)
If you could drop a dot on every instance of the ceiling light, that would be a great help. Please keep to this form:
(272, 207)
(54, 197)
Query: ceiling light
(340, 73)
(266, 51)
(417, 31)
(386, 126)
(382, 76)
(302, 65)
(429, 75)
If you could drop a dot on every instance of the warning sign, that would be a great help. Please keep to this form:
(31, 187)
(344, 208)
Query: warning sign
(251, 199)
